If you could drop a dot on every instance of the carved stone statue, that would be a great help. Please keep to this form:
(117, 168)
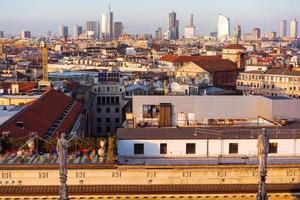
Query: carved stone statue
(101, 151)
(62, 152)
(262, 151)
(31, 146)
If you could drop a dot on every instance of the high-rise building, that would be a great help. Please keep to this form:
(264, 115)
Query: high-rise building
(283, 27)
(223, 27)
(77, 31)
(63, 31)
(271, 35)
(49, 34)
(118, 29)
(256, 33)
(107, 24)
(190, 30)
(173, 26)
(159, 34)
(237, 32)
(92, 29)
(25, 34)
(1, 34)
(294, 29)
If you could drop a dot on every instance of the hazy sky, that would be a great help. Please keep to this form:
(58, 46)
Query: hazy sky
(39, 16)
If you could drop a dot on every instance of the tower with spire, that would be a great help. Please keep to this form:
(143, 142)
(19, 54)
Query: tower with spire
(107, 23)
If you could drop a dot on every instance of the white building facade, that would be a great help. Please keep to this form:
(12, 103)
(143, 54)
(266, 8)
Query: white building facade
(223, 27)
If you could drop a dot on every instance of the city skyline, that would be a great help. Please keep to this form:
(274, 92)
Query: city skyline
(38, 16)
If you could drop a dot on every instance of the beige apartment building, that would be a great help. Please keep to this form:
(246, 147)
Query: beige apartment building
(273, 82)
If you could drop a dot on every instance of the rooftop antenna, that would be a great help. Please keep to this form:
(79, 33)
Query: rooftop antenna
(109, 7)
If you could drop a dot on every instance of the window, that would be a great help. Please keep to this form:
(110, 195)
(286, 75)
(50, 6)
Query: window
(150, 111)
(117, 100)
(107, 110)
(117, 110)
(108, 120)
(108, 129)
(98, 110)
(138, 149)
(190, 148)
(99, 120)
(163, 148)
(273, 147)
(99, 129)
(117, 120)
(233, 148)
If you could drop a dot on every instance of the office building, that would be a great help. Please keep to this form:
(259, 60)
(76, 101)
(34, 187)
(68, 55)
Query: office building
(173, 26)
(294, 28)
(63, 31)
(1, 34)
(159, 34)
(256, 33)
(283, 27)
(77, 31)
(92, 29)
(190, 30)
(223, 27)
(107, 24)
(118, 29)
(25, 34)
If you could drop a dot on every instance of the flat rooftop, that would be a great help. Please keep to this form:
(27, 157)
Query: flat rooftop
(7, 112)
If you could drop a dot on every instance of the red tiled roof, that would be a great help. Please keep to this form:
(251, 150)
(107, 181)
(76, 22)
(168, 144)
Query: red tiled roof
(23, 86)
(41, 114)
(217, 65)
(234, 46)
(183, 59)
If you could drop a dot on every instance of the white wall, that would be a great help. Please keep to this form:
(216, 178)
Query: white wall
(177, 148)
(223, 107)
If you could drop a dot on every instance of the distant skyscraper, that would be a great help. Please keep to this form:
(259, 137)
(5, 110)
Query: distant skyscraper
(92, 28)
(190, 30)
(1, 34)
(25, 34)
(118, 29)
(49, 34)
(294, 29)
(173, 26)
(107, 24)
(283, 27)
(271, 35)
(77, 30)
(256, 33)
(223, 27)
(237, 32)
(159, 34)
(63, 31)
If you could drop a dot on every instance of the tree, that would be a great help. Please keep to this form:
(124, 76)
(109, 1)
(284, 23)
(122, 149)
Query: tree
(112, 147)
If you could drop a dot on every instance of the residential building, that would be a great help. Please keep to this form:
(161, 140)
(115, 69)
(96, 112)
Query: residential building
(1, 34)
(272, 82)
(271, 35)
(108, 104)
(256, 33)
(223, 27)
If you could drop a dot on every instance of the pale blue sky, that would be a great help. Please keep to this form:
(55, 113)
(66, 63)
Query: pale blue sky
(39, 16)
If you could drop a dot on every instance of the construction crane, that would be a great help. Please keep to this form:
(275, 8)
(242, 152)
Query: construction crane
(45, 80)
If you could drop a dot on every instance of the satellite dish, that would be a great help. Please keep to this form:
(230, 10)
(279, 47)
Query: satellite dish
(1, 91)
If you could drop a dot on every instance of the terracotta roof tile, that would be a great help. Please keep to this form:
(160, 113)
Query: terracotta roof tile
(41, 114)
